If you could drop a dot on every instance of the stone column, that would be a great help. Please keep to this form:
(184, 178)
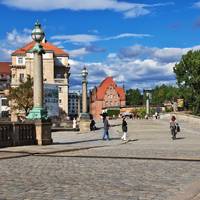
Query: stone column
(38, 114)
(84, 97)
(147, 105)
(38, 80)
(84, 117)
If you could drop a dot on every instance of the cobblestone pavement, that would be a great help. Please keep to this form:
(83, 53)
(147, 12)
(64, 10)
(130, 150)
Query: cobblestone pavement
(59, 176)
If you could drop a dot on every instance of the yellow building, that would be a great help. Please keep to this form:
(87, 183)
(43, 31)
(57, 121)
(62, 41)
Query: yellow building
(55, 69)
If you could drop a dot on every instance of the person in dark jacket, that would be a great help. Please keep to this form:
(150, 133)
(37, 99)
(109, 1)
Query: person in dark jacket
(106, 128)
(124, 129)
(104, 115)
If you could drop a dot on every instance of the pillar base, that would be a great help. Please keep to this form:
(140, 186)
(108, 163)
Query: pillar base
(84, 124)
(43, 131)
(38, 113)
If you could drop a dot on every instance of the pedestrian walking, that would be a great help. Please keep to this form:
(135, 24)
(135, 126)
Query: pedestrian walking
(124, 129)
(104, 115)
(106, 128)
(156, 114)
(74, 124)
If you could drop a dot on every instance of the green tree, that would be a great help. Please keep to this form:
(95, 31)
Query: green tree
(188, 77)
(21, 96)
(133, 97)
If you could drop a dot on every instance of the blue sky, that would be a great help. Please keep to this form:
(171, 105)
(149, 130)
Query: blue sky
(135, 42)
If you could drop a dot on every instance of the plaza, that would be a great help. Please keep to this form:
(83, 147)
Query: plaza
(80, 165)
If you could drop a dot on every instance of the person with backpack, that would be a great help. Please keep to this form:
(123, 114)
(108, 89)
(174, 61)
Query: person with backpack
(173, 127)
(124, 129)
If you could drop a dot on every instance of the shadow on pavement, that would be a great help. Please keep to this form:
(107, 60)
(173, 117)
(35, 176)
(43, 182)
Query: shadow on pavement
(133, 140)
(76, 142)
(180, 138)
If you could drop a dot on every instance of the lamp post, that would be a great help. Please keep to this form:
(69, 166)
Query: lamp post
(38, 113)
(147, 104)
(84, 73)
(84, 116)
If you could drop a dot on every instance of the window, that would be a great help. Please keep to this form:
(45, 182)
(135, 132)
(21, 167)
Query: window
(111, 96)
(21, 76)
(8, 77)
(60, 89)
(111, 89)
(108, 96)
(106, 103)
(60, 101)
(20, 60)
(4, 102)
(115, 103)
(0, 76)
(111, 103)
(58, 75)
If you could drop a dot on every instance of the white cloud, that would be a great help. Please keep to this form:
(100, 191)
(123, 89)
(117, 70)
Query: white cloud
(17, 39)
(196, 5)
(112, 55)
(165, 55)
(80, 38)
(13, 41)
(128, 35)
(77, 53)
(128, 9)
(87, 39)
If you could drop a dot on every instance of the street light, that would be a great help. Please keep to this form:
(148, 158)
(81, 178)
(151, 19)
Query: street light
(38, 111)
(38, 35)
(84, 73)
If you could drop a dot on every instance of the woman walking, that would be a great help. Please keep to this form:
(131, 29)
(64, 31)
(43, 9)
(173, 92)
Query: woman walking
(124, 129)
(74, 124)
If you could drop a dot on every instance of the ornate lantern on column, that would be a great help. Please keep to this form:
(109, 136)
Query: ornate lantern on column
(38, 114)
(84, 117)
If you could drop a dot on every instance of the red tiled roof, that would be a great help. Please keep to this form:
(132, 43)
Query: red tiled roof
(46, 46)
(104, 85)
(5, 69)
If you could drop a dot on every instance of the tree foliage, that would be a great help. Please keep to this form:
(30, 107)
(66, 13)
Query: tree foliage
(21, 96)
(188, 78)
(164, 92)
(133, 97)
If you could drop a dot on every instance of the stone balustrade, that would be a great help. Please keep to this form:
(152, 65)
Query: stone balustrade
(17, 134)
(192, 119)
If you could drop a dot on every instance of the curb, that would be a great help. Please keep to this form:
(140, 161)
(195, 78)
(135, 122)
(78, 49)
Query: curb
(189, 193)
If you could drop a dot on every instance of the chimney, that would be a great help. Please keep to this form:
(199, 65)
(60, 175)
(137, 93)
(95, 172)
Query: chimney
(43, 41)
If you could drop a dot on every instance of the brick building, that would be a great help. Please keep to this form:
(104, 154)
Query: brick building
(55, 69)
(108, 94)
(5, 75)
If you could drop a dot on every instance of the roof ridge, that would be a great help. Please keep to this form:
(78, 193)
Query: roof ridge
(46, 46)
